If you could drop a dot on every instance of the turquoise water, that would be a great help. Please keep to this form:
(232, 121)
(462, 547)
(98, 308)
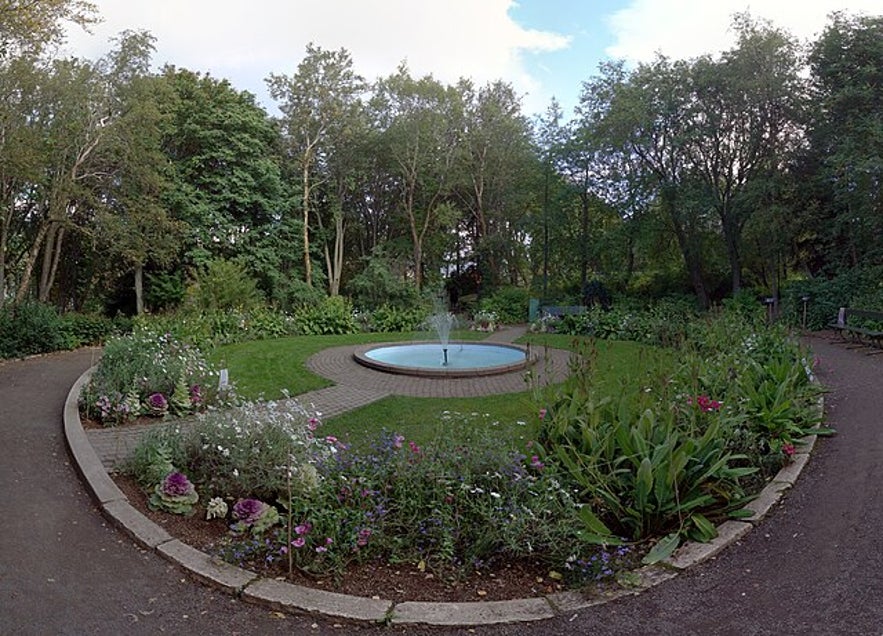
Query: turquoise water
(460, 356)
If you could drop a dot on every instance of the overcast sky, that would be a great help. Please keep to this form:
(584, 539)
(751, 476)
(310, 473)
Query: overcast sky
(545, 48)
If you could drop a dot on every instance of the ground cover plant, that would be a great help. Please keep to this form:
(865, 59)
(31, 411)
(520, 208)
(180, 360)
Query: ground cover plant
(151, 374)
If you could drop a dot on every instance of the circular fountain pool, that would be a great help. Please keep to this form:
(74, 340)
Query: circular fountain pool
(464, 359)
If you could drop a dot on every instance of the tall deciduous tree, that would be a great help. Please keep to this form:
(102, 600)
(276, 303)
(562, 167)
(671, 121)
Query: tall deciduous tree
(846, 142)
(224, 150)
(421, 136)
(743, 124)
(494, 161)
(318, 102)
(132, 222)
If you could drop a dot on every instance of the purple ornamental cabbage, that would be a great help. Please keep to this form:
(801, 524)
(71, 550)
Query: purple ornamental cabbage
(248, 511)
(157, 402)
(177, 485)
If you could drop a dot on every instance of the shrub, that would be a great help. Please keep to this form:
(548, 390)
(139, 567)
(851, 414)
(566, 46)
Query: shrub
(31, 328)
(376, 285)
(510, 304)
(86, 329)
(224, 286)
(390, 318)
(333, 316)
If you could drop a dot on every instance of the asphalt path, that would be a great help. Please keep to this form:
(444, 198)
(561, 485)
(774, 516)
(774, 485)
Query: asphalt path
(812, 567)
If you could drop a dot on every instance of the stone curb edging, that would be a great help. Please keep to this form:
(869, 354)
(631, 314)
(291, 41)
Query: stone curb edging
(250, 587)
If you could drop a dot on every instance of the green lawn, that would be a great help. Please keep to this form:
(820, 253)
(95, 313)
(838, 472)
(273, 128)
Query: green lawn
(267, 368)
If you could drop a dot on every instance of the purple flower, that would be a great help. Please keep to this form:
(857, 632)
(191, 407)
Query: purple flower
(397, 440)
(157, 402)
(248, 510)
(299, 542)
(536, 463)
(176, 485)
(195, 394)
(303, 528)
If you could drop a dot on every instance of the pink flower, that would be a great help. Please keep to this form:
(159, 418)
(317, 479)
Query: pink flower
(536, 463)
(303, 528)
(414, 448)
(397, 440)
(331, 439)
(312, 423)
(299, 542)
(543, 414)
(788, 449)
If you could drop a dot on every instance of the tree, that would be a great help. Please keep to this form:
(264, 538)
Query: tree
(28, 26)
(743, 124)
(493, 162)
(646, 117)
(68, 115)
(842, 165)
(318, 103)
(419, 119)
(225, 153)
(132, 222)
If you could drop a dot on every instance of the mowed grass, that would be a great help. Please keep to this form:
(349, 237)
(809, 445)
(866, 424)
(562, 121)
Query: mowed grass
(268, 369)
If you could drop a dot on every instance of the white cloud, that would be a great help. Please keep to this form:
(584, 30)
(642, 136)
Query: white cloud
(687, 28)
(246, 41)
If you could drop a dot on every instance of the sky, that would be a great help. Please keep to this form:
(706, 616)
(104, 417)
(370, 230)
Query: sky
(544, 48)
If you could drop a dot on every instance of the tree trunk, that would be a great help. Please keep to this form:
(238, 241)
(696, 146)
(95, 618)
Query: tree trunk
(139, 288)
(30, 262)
(51, 258)
(692, 260)
(308, 266)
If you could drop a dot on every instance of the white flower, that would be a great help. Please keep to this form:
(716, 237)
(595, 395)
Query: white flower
(216, 508)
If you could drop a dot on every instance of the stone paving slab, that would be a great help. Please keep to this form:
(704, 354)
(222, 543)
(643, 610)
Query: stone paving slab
(212, 571)
(297, 597)
(485, 613)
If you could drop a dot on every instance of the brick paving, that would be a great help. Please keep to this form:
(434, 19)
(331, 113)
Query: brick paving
(356, 386)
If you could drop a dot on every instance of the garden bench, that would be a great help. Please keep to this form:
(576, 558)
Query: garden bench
(868, 331)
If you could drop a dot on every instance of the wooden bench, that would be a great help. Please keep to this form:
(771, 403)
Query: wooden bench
(853, 324)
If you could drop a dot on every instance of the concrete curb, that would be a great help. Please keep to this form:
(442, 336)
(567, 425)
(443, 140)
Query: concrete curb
(250, 587)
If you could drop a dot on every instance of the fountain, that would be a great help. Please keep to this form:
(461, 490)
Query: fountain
(441, 359)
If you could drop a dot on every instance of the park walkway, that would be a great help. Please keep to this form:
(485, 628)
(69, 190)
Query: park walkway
(812, 567)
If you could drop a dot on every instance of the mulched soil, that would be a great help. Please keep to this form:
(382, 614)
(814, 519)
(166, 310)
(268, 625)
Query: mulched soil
(400, 582)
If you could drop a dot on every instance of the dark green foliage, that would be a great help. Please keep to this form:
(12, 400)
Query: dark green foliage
(858, 288)
(87, 329)
(509, 303)
(164, 290)
(31, 328)
(390, 318)
(376, 285)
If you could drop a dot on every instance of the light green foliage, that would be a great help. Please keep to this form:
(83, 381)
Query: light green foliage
(678, 455)
(333, 316)
(249, 450)
(224, 286)
(155, 456)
